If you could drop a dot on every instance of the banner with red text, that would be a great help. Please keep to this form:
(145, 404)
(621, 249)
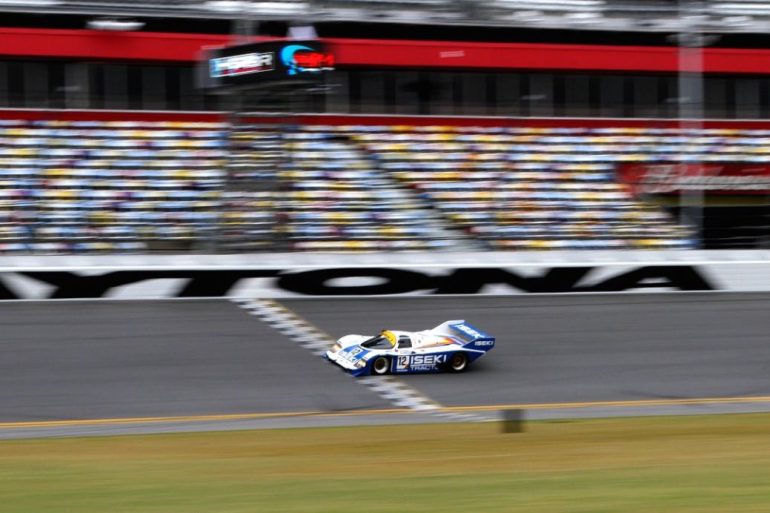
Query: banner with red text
(709, 178)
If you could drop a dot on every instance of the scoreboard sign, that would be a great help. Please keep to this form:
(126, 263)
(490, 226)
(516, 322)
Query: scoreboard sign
(265, 63)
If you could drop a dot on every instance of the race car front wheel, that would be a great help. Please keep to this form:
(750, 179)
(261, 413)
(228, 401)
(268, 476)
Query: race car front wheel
(458, 363)
(380, 366)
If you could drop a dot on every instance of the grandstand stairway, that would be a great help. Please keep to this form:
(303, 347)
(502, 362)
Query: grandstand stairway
(341, 200)
(248, 221)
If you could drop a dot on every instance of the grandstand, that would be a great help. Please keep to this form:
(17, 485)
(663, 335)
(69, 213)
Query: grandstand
(512, 188)
(83, 186)
(109, 186)
(528, 152)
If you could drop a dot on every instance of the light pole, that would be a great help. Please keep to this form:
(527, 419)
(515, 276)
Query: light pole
(691, 41)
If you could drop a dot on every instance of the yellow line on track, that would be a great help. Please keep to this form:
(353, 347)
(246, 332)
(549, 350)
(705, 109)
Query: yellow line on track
(699, 401)
(704, 401)
(195, 418)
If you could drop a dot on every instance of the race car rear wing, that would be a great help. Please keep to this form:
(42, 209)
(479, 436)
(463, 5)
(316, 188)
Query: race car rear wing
(469, 335)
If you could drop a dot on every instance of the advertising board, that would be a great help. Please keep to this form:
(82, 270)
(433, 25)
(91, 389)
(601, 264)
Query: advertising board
(265, 63)
(710, 178)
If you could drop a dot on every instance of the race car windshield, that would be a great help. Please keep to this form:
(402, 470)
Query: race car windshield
(378, 342)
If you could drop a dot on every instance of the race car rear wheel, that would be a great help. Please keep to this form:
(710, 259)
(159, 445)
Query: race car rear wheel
(459, 362)
(380, 365)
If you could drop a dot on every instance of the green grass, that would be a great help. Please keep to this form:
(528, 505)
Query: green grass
(702, 464)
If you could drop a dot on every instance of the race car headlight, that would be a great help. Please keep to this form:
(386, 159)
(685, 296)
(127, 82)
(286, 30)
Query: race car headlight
(360, 364)
(335, 348)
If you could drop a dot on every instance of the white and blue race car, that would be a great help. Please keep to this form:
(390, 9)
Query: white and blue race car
(449, 346)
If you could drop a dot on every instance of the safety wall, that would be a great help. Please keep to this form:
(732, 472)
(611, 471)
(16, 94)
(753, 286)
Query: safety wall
(281, 276)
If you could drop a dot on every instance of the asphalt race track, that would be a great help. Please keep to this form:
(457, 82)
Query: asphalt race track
(119, 359)
(554, 349)
(82, 360)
